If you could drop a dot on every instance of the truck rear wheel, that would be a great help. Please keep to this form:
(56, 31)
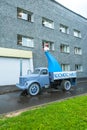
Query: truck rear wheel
(34, 89)
(66, 85)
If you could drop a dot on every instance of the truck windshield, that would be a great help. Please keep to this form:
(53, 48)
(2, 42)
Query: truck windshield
(36, 71)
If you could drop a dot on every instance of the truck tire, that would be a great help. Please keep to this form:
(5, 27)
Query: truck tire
(66, 85)
(34, 89)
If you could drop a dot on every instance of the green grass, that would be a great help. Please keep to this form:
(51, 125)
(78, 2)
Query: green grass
(70, 114)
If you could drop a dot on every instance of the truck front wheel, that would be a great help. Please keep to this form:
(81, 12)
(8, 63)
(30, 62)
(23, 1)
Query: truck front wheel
(34, 89)
(66, 85)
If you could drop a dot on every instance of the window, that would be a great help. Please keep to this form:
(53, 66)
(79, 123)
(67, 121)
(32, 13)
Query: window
(26, 15)
(77, 33)
(25, 41)
(47, 23)
(44, 72)
(49, 44)
(65, 67)
(78, 50)
(78, 67)
(64, 48)
(64, 29)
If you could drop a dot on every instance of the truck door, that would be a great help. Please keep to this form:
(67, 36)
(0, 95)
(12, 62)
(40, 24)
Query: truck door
(44, 78)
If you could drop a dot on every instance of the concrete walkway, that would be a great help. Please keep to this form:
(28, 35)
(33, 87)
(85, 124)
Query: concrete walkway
(8, 89)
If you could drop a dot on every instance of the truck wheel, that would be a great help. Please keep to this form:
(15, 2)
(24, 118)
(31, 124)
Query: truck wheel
(66, 85)
(34, 89)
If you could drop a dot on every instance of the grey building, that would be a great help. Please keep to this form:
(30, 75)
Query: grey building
(26, 26)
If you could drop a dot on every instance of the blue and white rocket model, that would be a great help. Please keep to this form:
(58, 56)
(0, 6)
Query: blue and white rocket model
(53, 65)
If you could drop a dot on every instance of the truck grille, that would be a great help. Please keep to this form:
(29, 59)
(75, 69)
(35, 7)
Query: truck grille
(22, 81)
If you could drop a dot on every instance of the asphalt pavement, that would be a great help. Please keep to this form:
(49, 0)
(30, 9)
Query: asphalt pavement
(12, 100)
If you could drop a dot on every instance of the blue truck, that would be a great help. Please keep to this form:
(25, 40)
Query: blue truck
(51, 77)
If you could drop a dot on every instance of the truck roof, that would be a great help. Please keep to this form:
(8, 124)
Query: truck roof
(41, 68)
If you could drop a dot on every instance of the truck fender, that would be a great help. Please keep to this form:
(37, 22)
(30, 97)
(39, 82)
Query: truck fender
(33, 88)
(28, 83)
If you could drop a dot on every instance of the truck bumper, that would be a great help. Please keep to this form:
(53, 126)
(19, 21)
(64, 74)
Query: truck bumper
(21, 87)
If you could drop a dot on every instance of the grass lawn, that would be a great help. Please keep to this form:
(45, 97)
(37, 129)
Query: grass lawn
(70, 114)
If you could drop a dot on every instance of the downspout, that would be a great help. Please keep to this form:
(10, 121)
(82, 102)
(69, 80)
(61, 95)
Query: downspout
(20, 67)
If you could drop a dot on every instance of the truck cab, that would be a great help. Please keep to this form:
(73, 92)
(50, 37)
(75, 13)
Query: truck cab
(35, 81)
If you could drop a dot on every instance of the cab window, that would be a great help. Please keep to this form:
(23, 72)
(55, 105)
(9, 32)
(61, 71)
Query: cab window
(44, 72)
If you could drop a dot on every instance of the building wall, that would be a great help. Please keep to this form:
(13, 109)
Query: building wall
(10, 26)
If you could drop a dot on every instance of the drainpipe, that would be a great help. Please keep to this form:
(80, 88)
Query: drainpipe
(20, 67)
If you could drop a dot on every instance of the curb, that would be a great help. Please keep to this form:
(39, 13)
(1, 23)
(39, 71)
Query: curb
(8, 91)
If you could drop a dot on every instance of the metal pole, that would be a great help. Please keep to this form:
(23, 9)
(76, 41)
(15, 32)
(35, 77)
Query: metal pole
(20, 67)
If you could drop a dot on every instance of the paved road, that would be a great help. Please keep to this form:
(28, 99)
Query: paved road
(14, 101)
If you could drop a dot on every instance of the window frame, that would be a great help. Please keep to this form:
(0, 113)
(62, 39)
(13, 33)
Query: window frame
(77, 66)
(29, 15)
(46, 21)
(64, 29)
(44, 72)
(77, 33)
(77, 51)
(48, 44)
(20, 41)
(65, 67)
(64, 48)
